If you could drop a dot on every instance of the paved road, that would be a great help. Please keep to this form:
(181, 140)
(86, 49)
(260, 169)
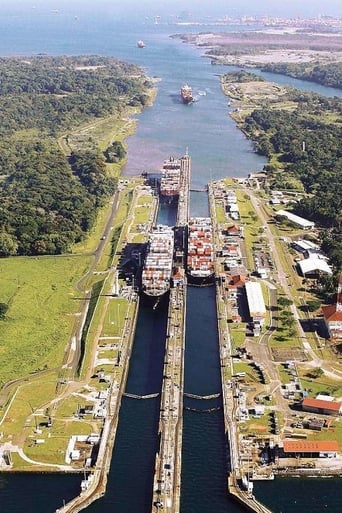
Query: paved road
(289, 291)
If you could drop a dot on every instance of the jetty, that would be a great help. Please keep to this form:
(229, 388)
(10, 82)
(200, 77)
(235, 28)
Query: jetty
(166, 487)
(167, 476)
(183, 201)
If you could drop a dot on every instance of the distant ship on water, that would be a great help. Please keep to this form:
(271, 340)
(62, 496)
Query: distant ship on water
(186, 94)
(140, 44)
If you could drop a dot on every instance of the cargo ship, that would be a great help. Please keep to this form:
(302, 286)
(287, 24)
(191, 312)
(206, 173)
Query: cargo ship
(200, 256)
(186, 94)
(157, 270)
(170, 180)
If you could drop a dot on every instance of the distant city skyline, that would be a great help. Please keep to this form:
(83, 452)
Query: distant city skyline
(290, 8)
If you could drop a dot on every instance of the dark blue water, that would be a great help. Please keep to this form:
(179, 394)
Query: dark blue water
(204, 456)
(41, 493)
(130, 481)
(302, 495)
(218, 149)
(202, 364)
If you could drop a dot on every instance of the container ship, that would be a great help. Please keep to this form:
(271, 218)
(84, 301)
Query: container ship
(200, 256)
(170, 180)
(156, 275)
(186, 94)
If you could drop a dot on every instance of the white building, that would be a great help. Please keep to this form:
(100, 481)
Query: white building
(300, 221)
(256, 303)
(314, 265)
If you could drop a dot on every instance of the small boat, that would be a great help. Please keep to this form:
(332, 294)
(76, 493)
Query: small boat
(140, 44)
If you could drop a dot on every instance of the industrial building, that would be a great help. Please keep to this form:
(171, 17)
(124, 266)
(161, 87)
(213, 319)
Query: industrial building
(299, 221)
(310, 448)
(313, 266)
(324, 407)
(256, 304)
(333, 314)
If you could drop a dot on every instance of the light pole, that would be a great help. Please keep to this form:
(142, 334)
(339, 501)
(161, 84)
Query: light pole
(34, 416)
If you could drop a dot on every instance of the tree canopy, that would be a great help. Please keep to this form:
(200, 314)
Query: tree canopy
(49, 201)
(328, 74)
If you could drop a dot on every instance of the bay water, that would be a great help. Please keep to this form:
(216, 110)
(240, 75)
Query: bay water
(217, 149)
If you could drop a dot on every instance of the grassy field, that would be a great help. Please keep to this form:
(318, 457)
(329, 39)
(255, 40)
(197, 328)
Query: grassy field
(42, 302)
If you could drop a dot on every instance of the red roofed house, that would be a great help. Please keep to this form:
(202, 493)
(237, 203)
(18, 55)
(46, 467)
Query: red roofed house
(333, 314)
(310, 448)
(234, 230)
(321, 406)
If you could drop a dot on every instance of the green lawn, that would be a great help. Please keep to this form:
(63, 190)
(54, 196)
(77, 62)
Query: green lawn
(42, 302)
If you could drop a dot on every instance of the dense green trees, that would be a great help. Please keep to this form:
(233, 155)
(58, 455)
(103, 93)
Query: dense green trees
(55, 93)
(47, 203)
(306, 144)
(115, 152)
(309, 148)
(326, 74)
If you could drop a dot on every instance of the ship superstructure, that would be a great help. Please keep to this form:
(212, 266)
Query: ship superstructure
(200, 258)
(157, 269)
(170, 179)
(186, 94)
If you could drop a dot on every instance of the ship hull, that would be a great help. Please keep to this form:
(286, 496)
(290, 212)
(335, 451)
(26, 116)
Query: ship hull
(170, 180)
(200, 281)
(155, 301)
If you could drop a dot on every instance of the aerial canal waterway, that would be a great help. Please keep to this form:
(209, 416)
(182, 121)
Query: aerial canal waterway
(218, 149)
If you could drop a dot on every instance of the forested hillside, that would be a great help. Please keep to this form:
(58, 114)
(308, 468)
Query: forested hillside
(49, 202)
(329, 74)
(305, 143)
(309, 147)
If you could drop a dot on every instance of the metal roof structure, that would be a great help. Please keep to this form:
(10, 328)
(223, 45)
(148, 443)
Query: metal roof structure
(304, 223)
(314, 264)
(256, 303)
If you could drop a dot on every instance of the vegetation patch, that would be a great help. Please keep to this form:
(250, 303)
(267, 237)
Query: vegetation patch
(50, 195)
(42, 304)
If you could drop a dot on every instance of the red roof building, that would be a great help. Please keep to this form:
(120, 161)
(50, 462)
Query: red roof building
(307, 448)
(321, 406)
(234, 230)
(333, 314)
(333, 319)
(236, 281)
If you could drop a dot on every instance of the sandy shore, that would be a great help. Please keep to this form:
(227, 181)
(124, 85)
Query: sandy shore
(263, 47)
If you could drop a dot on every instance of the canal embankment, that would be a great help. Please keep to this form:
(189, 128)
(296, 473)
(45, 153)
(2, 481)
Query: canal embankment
(237, 482)
(122, 299)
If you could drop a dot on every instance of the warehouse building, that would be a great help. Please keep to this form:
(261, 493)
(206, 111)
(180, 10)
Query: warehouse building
(256, 304)
(299, 221)
(310, 448)
(324, 407)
